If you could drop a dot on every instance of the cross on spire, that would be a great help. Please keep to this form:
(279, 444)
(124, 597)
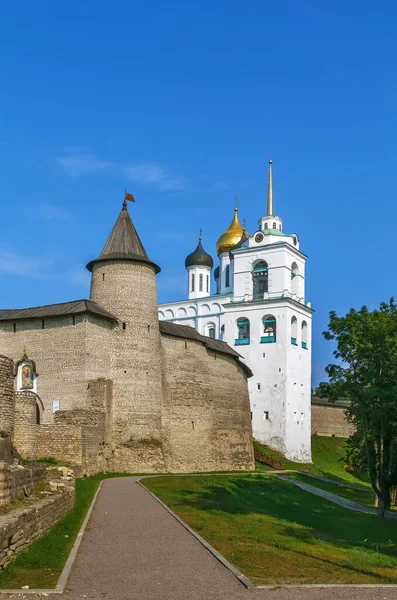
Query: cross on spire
(200, 234)
(235, 202)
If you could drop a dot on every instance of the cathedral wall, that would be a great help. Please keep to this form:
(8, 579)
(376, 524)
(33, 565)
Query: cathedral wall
(206, 415)
(6, 396)
(67, 356)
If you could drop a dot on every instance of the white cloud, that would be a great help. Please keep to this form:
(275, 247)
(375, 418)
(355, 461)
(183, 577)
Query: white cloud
(154, 174)
(30, 267)
(51, 212)
(12, 263)
(80, 163)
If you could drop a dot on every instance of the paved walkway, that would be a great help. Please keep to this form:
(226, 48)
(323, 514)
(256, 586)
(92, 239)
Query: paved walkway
(336, 499)
(133, 549)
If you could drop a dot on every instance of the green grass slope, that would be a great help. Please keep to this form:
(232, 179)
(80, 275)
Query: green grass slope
(276, 533)
(328, 455)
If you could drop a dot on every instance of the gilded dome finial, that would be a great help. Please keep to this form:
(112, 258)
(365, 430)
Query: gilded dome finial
(233, 233)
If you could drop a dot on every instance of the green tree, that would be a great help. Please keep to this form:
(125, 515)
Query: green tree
(366, 376)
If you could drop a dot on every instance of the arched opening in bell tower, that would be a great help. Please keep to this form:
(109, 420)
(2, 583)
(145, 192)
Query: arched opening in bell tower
(294, 279)
(260, 280)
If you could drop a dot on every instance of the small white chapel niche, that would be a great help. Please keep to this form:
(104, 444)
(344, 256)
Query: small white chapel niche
(55, 406)
(26, 375)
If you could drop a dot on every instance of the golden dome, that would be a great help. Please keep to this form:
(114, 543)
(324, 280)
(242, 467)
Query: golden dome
(231, 236)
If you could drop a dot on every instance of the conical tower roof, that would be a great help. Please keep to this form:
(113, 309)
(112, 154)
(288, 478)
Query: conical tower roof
(123, 243)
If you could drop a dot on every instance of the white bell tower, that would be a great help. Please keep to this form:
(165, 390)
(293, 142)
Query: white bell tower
(269, 323)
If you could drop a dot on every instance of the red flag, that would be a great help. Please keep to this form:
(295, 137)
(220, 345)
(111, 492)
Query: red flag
(129, 197)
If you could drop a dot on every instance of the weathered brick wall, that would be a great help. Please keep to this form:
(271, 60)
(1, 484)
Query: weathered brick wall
(100, 397)
(78, 437)
(15, 480)
(63, 442)
(6, 395)
(94, 449)
(206, 411)
(22, 526)
(67, 356)
(25, 426)
(330, 420)
(128, 290)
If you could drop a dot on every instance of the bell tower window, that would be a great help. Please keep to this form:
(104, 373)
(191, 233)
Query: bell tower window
(192, 282)
(294, 279)
(243, 332)
(269, 329)
(304, 335)
(294, 331)
(260, 280)
(200, 282)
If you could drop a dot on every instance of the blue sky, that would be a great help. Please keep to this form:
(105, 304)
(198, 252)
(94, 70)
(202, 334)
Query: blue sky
(181, 103)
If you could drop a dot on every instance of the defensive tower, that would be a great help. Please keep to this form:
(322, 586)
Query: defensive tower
(124, 282)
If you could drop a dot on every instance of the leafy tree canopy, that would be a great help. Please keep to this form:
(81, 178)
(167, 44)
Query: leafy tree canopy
(366, 376)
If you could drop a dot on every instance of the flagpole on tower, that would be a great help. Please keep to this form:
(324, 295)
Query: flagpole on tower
(127, 196)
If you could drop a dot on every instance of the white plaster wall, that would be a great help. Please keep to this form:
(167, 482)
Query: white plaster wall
(196, 271)
(298, 392)
(224, 261)
(279, 260)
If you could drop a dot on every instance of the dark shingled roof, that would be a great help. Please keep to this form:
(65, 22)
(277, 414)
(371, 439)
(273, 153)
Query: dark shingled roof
(199, 258)
(188, 333)
(123, 243)
(56, 310)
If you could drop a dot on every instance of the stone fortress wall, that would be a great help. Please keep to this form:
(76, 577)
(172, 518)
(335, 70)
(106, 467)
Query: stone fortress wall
(330, 419)
(204, 419)
(206, 408)
(6, 395)
(68, 351)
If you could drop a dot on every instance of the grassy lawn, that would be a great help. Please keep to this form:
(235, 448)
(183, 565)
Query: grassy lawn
(366, 496)
(41, 564)
(277, 533)
(328, 460)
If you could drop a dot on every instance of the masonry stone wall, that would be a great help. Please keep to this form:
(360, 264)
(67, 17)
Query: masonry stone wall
(67, 356)
(6, 395)
(206, 414)
(128, 290)
(25, 426)
(63, 442)
(22, 526)
(17, 480)
(330, 420)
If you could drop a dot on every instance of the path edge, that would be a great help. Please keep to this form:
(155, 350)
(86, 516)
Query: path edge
(64, 576)
(240, 576)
